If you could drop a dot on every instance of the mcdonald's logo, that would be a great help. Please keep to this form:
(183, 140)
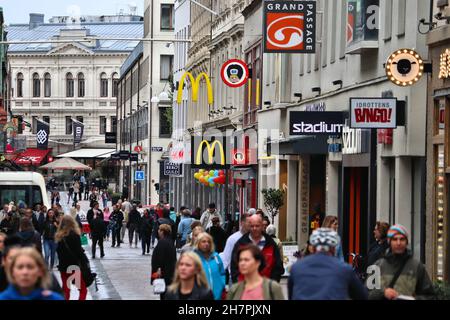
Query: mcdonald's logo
(210, 148)
(195, 83)
(208, 153)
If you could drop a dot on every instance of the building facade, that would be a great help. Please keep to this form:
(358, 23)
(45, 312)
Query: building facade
(383, 180)
(58, 82)
(146, 84)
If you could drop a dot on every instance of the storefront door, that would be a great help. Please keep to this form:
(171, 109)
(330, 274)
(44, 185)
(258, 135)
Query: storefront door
(355, 210)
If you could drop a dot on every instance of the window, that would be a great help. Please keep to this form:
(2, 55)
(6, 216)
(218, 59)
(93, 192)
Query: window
(69, 85)
(165, 123)
(36, 86)
(103, 85)
(362, 21)
(113, 124)
(166, 67)
(167, 17)
(46, 119)
(19, 85)
(102, 125)
(115, 85)
(81, 85)
(68, 125)
(47, 85)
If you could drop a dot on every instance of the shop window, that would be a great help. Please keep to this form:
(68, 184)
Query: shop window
(363, 23)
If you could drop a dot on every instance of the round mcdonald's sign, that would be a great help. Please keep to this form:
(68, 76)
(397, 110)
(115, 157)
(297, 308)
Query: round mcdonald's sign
(235, 73)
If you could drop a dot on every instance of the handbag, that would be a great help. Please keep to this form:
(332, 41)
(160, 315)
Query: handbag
(159, 286)
(85, 268)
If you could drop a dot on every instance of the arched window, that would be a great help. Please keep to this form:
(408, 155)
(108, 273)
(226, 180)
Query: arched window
(115, 84)
(69, 85)
(36, 86)
(47, 85)
(103, 85)
(19, 85)
(81, 85)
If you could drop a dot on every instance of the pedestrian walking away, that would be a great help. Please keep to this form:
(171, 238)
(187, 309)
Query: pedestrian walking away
(145, 230)
(71, 253)
(184, 227)
(134, 221)
(164, 257)
(218, 234)
(189, 281)
(322, 276)
(116, 220)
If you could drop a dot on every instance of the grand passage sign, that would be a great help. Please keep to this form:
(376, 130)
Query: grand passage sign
(289, 26)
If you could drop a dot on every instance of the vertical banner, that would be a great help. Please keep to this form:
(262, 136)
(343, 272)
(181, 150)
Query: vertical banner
(42, 134)
(78, 129)
(351, 21)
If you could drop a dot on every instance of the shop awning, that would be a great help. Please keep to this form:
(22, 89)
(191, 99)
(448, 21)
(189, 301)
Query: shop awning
(32, 157)
(88, 153)
(313, 145)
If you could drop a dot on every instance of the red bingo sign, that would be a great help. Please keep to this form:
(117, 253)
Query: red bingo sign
(235, 73)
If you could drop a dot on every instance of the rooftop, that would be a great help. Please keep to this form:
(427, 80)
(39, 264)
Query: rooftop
(50, 31)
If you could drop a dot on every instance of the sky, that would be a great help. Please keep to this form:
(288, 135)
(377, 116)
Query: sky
(17, 11)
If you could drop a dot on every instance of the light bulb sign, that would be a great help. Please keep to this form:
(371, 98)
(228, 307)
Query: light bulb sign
(235, 73)
(404, 67)
(373, 113)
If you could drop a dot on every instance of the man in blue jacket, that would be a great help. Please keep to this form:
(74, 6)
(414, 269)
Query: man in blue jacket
(322, 276)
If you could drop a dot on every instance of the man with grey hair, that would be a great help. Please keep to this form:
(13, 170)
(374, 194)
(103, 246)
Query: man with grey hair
(322, 276)
(251, 211)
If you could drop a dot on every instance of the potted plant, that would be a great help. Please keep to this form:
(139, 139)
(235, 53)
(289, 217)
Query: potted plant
(273, 201)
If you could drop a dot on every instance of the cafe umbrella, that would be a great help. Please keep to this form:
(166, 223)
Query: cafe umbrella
(66, 164)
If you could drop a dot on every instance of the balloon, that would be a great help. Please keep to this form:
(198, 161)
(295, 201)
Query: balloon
(211, 173)
(206, 173)
(197, 175)
(201, 170)
(212, 185)
(216, 173)
(221, 172)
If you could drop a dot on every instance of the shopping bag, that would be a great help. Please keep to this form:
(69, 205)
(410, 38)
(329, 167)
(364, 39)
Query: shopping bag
(159, 286)
(84, 240)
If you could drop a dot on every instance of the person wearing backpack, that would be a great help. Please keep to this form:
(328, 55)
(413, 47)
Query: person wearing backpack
(402, 276)
(251, 262)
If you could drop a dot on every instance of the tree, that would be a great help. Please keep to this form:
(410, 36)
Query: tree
(273, 201)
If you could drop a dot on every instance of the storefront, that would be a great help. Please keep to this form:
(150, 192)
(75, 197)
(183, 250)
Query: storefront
(438, 155)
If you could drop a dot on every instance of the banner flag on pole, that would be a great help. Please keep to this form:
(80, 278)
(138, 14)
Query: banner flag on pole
(78, 129)
(42, 134)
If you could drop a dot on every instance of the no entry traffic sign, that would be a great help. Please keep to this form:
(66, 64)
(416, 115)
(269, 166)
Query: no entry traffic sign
(235, 73)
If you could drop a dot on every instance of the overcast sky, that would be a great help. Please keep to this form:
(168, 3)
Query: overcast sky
(17, 11)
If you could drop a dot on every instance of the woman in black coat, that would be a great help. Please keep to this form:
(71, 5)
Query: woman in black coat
(145, 230)
(164, 256)
(378, 249)
(70, 253)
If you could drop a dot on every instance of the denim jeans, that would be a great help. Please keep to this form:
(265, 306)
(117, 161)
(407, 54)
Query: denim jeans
(50, 252)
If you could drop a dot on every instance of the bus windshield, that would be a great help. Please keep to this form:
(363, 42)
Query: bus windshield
(28, 195)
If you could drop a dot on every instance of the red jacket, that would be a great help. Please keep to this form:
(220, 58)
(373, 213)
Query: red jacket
(274, 268)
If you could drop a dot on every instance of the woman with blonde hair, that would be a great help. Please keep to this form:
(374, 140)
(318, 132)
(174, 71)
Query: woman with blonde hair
(28, 277)
(189, 282)
(212, 264)
(331, 222)
(70, 253)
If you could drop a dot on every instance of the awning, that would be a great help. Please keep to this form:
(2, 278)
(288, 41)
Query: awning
(88, 153)
(297, 145)
(31, 156)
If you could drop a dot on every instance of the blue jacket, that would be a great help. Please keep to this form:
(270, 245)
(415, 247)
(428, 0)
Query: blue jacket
(215, 273)
(12, 294)
(184, 228)
(323, 277)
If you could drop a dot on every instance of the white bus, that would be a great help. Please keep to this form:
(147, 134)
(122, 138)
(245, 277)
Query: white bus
(26, 187)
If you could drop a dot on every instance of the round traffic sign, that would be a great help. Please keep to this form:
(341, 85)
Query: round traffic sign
(235, 73)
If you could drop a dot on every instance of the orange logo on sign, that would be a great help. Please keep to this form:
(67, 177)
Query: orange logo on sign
(285, 31)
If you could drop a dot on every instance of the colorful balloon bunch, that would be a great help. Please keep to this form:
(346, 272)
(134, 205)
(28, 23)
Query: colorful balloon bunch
(210, 178)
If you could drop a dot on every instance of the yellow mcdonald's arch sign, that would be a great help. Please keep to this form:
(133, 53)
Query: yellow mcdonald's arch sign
(195, 83)
(210, 147)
